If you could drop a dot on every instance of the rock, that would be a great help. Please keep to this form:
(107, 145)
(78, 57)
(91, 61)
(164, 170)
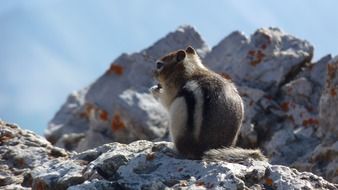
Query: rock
(252, 105)
(58, 174)
(117, 106)
(138, 165)
(325, 155)
(329, 101)
(21, 151)
(68, 120)
(262, 61)
(294, 137)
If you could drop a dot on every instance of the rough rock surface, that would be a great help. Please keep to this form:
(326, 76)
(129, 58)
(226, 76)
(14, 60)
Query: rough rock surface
(20, 152)
(261, 61)
(30, 162)
(290, 100)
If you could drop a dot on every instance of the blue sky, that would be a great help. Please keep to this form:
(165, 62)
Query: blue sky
(51, 48)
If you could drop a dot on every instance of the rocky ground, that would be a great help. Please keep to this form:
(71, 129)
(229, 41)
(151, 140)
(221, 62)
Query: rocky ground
(28, 161)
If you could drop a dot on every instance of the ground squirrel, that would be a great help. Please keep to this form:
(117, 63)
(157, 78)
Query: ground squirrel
(205, 109)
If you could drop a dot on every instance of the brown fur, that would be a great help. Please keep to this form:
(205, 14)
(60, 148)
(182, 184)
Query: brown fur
(222, 106)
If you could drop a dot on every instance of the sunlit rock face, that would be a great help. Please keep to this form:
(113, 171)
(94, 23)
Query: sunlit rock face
(28, 161)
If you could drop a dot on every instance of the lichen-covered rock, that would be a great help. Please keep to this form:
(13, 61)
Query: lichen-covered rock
(329, 101)
(20, 152)
(30, 162)
(147, 165)
(262, 61)
(117, 106)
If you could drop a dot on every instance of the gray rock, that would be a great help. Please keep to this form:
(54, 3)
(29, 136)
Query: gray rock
(138, 165)
(69, 119)
(329, 101)
(146, 165)
(310, 143)
(21, 151)
(252, 99)
(58, 174)
(262, 61)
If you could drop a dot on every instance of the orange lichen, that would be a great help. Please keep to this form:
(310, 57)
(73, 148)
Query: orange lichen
(200, 183)
(264, 46)
(103, 115)
(251, 53)
(310, 122)
(257, 57)
(285, 106)
(333, 92)
(115, 69)
(269, 181)
(117, 123)
(5, 137)
(331, 71)
(150, 156)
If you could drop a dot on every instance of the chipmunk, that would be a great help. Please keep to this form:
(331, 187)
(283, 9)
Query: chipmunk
(205, 109)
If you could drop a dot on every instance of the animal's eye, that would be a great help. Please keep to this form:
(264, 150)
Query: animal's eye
(159, 65)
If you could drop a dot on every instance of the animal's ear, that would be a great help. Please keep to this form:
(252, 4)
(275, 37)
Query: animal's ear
(190, 50)
(180, 56)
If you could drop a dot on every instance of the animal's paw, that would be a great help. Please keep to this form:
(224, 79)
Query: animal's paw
(156, 90)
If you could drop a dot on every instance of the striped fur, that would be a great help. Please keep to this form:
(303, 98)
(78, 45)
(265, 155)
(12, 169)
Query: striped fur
(197, 113)
(206, 111)
(178, 118)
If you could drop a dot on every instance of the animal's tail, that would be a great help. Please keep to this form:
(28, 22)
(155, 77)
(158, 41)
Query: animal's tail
(233, 154)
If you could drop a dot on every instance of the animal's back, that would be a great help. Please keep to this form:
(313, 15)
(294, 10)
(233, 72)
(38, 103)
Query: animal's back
(222, 113)
(216, 111)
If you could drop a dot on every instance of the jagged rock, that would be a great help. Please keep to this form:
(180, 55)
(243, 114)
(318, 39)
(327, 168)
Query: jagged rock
(325, 155)
(117, 106)
(28, 161)
(305, 139)
(68, 120)
(293, 137)
(21, 151)
(328, 111)
(252, 99)
(262, 61)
